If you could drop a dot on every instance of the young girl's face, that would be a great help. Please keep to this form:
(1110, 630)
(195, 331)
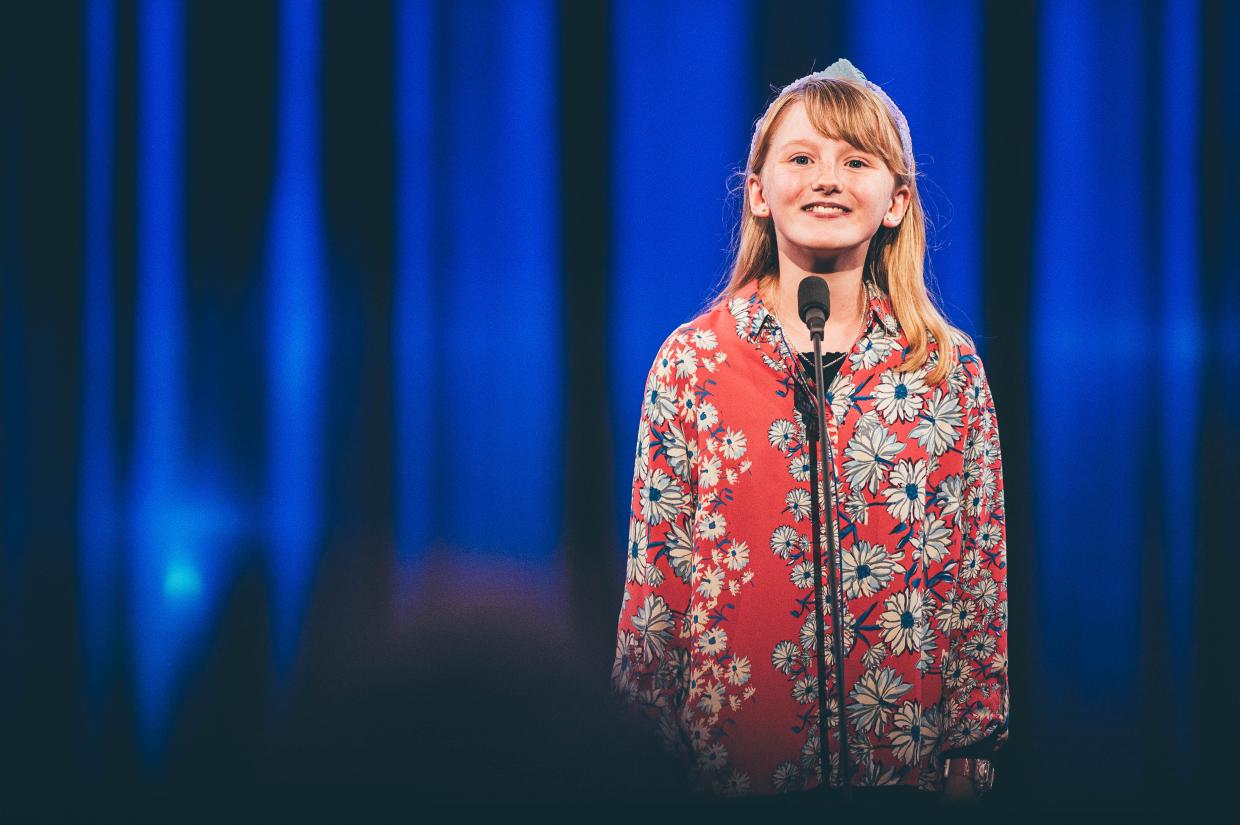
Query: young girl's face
(825, 197)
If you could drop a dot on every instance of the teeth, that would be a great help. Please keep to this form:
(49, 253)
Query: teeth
(821, 208)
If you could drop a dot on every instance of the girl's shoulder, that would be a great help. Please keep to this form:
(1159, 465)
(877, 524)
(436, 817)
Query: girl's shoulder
(966, 354)
(704, 342)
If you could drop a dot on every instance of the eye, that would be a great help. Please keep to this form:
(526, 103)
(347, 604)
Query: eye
(862, 163)
(796, 158)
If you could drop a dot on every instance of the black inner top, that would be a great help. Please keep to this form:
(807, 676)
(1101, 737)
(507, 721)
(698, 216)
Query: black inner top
(828, 369)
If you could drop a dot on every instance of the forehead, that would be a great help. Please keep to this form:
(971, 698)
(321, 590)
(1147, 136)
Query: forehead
(795, 127)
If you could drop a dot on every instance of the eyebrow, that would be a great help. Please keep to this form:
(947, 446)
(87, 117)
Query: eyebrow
(802, 142)
(796, 142)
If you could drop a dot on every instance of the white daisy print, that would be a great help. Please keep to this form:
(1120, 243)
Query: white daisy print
(653, 622)
(642, 454)
(986, 592)
(782, 434)
(685, 362)
(712, 698)
(711, 583)
(660, 404)
(898, 395)
(902, 621)
(939, 423)
(986, 482)
(680, 451)
(867, 569)
(713, 758)
(840, 396)
(689, 404)
(661, 497)
(733, 443)
(638, 566)
(704, 339)
(739, 308)
(980, 647)
(798, 503)
(906, 497)
(933, 540)
(709, 469)
(787, 777)
(786, 656)
(737, 555)
(679, 547)
(706, 416)
(913, 734)
(950, 496)
(697, 620)
(738, 670)
(737, 785)
(622, 665)
(874, 698)
(972, 448)
(785, 541)
(799, 467)
(871, 350)
(711, 525)
(975, 395)
(713, 641)
(873, 657)
(802, 575)
(955, 674)
(805, 690)
(663, 362)
(956, 614)
(857, 507)
(809, 633)
(867, 457)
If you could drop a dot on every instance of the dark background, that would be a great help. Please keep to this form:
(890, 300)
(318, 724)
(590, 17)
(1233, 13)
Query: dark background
(324, 326)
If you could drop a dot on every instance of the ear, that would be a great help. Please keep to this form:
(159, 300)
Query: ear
(900, 198)
(758, 206)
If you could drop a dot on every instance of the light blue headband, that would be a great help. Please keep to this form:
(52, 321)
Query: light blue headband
(843, 69)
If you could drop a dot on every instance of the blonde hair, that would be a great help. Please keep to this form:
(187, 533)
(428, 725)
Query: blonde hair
(843, 110)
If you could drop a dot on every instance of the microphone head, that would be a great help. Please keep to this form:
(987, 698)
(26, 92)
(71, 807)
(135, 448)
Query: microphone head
(814, 302)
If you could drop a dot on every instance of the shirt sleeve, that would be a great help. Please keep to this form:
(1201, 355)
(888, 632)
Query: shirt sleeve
(976, 670)
(651, 668)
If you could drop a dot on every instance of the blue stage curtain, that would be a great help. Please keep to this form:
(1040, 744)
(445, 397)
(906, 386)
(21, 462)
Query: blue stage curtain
(292, 351)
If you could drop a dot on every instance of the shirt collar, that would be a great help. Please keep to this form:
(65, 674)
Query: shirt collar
(881, 312)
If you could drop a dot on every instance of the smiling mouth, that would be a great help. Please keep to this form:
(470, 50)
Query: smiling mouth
(823, 209)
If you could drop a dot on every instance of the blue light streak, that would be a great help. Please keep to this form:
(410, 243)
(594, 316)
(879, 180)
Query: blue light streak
(1089, 351)
(97, 494)
(495, 299)
(296, 330)
(1180, 324)
(681, 127)
(413, 323)
(941, 100)
(161, 638)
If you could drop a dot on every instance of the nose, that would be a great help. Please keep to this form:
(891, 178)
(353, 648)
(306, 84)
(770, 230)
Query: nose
(826, 178)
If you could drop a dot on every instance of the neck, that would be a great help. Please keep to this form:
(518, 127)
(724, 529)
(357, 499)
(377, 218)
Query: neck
(847, 303)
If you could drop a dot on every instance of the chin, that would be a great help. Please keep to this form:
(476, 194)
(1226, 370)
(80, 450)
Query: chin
(820, 248)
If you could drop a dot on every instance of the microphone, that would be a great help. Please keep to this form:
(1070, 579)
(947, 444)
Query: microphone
(814, 307)
(814, 304)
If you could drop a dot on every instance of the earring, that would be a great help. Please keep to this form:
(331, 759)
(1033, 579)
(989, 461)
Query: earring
(761, 210)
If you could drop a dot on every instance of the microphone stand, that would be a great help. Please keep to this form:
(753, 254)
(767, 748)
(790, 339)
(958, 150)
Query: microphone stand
(834, 581)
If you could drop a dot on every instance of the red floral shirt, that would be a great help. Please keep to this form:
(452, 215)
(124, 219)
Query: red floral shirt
(718, 636)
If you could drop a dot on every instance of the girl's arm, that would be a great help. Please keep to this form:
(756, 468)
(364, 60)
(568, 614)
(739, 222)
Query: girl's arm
(651, 669)
(976, 669)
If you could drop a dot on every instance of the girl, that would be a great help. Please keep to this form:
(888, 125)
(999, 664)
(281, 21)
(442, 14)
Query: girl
(720, 645)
